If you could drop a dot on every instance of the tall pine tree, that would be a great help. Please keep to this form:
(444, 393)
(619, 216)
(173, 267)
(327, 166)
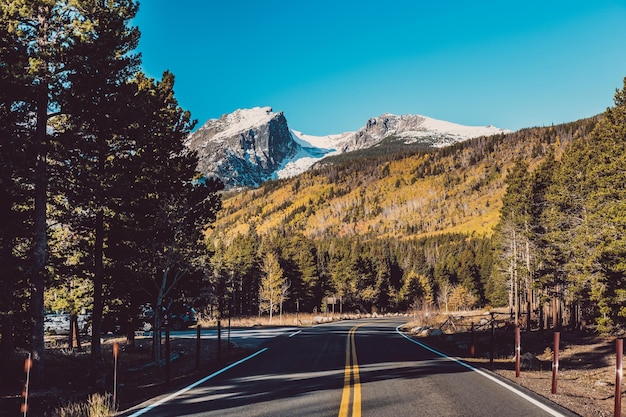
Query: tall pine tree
(167, 206)
(41, 28)
(15, 178)
(98, 102)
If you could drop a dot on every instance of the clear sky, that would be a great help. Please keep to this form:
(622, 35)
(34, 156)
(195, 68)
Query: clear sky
(332, 64)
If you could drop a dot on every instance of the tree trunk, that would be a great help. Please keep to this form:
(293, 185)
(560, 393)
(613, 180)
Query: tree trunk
(96, 318)
(515, 281)
(7, 345)
(271, 310)
(130, 331)
(74, 336)
(156, 330)
(156, 334)
(7, 310)
(529, 294)
(554, 313)
(37, 278)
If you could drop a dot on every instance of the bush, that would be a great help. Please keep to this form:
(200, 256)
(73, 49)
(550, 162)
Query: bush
(98, 405)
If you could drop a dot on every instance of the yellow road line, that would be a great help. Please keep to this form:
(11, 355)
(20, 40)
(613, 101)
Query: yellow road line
(345, 396)
(351, 372)
(356, 404)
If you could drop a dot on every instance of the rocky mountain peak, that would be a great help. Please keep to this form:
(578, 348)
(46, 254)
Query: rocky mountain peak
(243, 148)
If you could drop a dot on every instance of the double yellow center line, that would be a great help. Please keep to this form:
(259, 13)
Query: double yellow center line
(351, 379)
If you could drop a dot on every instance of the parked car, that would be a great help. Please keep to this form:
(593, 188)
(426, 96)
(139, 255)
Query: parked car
(116, 321)
(180, 316)
(59, 323)
(177, 316)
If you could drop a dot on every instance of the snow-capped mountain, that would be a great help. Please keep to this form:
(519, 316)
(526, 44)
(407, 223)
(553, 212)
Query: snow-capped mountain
(244, 148)
(250, 146)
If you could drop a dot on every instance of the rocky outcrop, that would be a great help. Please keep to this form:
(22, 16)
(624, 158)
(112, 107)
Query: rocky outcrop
(244, 148)
(378, 128)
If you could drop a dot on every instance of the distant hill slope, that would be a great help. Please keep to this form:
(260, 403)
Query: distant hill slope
(399, 195)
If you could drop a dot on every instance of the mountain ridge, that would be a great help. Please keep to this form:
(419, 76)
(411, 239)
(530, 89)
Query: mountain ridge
(250, 146)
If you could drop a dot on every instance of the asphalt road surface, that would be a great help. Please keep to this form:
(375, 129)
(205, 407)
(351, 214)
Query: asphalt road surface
(350, 368)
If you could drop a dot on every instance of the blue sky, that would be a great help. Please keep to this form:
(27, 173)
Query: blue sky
(331, 65)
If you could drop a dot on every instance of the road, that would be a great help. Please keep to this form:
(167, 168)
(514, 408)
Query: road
(351, 368)
(248, 338)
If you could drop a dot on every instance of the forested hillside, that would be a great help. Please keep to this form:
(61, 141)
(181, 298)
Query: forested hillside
(382, 233)
(562, 234)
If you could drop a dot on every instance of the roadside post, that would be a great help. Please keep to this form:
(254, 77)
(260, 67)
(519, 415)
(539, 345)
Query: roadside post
(116, 350)
(619, 350)
(28, 364)
(472, 345)
(198, 330)
(219, 340)
(167, 356)
(555, 361)
(518, 348)
(493, 340)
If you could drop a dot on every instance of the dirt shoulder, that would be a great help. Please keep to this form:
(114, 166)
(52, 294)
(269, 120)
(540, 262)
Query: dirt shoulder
(586, 372)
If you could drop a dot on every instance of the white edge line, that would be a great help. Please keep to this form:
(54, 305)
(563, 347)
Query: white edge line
(195, 384)
(486, 375)
(293, 334)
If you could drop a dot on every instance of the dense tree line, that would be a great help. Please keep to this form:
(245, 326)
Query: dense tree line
(377, 275)
(96, 184)
(561, 240)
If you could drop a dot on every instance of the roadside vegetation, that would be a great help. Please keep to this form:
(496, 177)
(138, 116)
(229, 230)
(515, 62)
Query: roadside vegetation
(96, 406)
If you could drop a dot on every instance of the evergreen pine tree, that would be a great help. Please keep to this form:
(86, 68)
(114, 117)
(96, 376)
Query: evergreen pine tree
(98, 103)
(40, 29)
(15, 177)
(167, 206)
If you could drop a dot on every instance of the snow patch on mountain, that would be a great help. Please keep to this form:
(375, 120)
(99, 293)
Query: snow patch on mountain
(449, 132)
(239, 121)
(311, 150)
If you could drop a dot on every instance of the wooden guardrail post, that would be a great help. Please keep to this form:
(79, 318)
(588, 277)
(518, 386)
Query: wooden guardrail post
(518, 349)
(493, 340)
(167, 357)
(116, 350)
(619, 350)
(472, 345)
(28, 365)
(219, 340)
(555, 361)
(198, 330)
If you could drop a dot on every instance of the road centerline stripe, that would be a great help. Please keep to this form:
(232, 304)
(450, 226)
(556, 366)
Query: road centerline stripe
(351, 378)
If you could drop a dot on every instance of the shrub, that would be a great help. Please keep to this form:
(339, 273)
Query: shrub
(97, 405)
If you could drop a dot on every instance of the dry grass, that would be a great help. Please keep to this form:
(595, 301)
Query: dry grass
(287, 319)
(97, 405)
